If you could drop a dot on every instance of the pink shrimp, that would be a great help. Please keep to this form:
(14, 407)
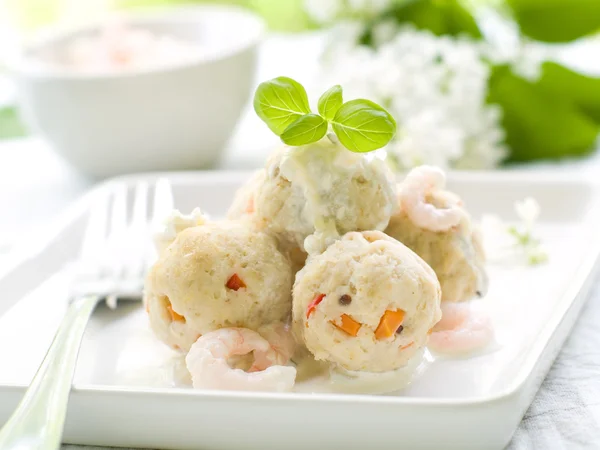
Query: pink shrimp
(461, 331)
(421, 182)
(208, 364)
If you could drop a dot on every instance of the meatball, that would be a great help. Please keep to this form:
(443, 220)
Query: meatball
(243, 201)
(365, 304)
(169, 327)
(242, 207)
(323, 188)
(456, 255)
(220, 274)
(173, 224)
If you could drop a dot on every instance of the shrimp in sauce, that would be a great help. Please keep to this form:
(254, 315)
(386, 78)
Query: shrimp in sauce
(461, 330)
(209, 366)
(420, 184)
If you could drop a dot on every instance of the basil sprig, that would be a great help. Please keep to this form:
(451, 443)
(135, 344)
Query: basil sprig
(360, 125)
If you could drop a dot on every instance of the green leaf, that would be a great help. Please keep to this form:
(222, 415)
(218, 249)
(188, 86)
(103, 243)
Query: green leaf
(10, 124)
(574, 87)
(439, 17)
(330, 102)
(363, 126)
(279, 102)
(539, 125)
(556, 20)
(305, 130)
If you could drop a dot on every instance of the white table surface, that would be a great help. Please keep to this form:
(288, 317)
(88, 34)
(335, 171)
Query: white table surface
(35, 185)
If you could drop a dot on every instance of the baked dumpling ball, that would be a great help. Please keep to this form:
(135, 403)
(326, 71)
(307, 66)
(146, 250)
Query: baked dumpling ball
(173, 224)
(323, 188)
(217, 275)
(242, 207)
(167, 325)
(367, 303)
(434, 224)
(243, 201)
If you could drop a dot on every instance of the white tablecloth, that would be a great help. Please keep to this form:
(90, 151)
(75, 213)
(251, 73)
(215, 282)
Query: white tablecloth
(35, 185)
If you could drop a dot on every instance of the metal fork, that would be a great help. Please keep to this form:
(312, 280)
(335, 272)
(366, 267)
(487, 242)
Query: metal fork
(114, 257)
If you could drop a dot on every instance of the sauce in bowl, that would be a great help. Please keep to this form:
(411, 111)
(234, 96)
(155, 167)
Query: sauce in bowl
(118, 46)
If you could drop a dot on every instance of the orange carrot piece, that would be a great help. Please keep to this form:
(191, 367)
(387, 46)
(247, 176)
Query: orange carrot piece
(348, 325)
(313, 305)
(404, 347)
(235, 282)
(174, 316)
(250, 206)
(389, 323)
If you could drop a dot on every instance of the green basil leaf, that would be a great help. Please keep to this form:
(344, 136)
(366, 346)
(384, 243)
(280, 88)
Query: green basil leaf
(305, 130)
(10, 125)
(556, 20)
(363, 126)
(330, 102)
(581, 90)
(279, 102)
(539, 125)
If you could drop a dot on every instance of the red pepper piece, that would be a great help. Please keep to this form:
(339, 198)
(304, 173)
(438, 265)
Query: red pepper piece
(313, 305)
(235, 282)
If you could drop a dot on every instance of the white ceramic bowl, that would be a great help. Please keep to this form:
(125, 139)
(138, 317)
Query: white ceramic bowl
(165, 118)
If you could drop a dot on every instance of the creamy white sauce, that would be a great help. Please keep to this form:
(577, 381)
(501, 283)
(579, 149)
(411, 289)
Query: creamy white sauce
(319, 377)
(120, 47)
(318, 170)
(174, 224)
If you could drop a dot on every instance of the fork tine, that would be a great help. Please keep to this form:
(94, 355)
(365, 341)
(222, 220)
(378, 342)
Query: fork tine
(95, 232)
(118, 213)
(162, 205)
(137, 233)
(115, 251)
(163, 202)
(139, 219)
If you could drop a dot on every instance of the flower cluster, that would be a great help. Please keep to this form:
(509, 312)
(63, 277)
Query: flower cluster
(435, 87)
(504, 242)
(504, 45)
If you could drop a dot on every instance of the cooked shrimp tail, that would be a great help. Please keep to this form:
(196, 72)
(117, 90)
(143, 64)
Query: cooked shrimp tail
(209, 367)
(461, 330)
(420, 184)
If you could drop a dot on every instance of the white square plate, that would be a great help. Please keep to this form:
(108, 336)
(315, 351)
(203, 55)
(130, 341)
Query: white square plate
(124, 393)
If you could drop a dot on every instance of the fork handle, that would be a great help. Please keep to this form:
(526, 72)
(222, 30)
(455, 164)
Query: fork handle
(38, 421)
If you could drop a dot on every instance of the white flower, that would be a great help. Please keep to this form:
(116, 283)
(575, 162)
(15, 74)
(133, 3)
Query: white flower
(525, 58)
(509, 243)
(529, 60)
(435, 87)
(506, 45)
(385, 31)
(528, 211)
(324, 11)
